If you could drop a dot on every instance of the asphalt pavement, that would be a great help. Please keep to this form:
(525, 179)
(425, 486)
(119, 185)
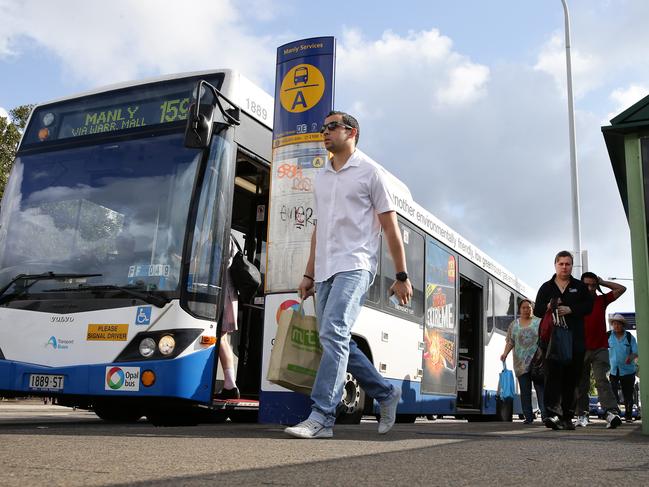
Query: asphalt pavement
(50, 445)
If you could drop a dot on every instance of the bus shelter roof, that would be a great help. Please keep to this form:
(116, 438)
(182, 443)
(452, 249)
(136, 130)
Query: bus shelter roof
(633, 120)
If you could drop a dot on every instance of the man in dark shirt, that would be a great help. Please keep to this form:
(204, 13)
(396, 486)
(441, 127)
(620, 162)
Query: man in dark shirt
(572, 301)
(596, 355)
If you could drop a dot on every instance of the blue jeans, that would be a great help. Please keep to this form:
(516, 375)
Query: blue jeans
(525, 384)
(338, 302)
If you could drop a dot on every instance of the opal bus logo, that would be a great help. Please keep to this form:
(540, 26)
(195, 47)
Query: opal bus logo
(115, 378)
(122, 379)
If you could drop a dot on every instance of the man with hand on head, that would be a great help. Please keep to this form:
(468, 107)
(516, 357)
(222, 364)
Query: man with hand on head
(353, 205)
(596, 354)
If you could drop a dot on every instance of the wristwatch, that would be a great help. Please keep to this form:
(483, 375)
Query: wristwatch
(402, 276)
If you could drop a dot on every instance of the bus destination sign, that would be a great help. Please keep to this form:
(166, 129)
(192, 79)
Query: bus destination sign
(114, 111)
(122, 117)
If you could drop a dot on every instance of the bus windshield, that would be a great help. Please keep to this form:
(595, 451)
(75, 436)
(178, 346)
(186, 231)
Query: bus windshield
(118, 209)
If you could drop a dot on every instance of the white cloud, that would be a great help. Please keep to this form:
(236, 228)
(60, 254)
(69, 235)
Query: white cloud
(4, 113)
(419, 62)
(585, 67)
(625, 97)
(125, 40)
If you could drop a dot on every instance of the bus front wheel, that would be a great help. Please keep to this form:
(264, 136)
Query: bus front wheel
(116, 412)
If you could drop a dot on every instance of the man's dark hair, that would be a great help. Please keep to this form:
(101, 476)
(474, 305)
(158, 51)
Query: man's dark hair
(563, 253)
(348, 120)
(592, 275)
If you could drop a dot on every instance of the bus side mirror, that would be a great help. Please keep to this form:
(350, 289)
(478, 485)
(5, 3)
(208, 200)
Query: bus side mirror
(198, 132)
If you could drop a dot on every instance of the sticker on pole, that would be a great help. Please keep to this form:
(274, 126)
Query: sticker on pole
(302, 88)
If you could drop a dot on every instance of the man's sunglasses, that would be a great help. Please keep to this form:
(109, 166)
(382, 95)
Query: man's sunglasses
(332, 126)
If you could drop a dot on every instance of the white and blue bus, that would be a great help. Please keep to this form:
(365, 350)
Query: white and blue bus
(114, 234)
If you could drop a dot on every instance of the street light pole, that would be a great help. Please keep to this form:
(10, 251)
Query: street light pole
(574, 178)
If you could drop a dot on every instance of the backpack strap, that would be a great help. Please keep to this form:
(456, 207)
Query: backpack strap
(628, 338)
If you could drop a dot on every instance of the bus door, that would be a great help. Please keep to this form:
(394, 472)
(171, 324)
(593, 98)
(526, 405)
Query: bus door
(469, 370)
(249, 213)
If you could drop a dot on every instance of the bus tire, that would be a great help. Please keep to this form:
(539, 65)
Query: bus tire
(178, 416)
(350, 409)
(117, 413)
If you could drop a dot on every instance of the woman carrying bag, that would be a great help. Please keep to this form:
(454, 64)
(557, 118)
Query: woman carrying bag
(569, 300)
(522, 337)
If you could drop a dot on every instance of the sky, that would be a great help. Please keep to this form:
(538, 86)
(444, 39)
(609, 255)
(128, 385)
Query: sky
(464, 101)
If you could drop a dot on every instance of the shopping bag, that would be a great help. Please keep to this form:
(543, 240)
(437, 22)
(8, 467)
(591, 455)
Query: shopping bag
(505, 395)
(506, 387)
(296, 353)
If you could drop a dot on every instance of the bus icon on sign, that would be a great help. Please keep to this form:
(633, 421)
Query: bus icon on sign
(301, 75)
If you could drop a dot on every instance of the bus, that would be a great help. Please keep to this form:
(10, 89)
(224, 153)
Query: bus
(114, 235)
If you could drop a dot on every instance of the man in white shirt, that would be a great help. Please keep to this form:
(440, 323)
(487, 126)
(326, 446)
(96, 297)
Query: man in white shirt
(352, 204)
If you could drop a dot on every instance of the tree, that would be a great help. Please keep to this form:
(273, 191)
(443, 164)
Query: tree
(11, 130)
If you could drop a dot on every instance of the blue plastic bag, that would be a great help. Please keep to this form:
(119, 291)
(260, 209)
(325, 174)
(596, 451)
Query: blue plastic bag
(506, 388)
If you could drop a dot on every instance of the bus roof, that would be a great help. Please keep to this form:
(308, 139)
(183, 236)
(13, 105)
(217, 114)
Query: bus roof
(423, 219)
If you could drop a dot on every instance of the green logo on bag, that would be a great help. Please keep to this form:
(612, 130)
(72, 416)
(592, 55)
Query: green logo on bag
(305, 339)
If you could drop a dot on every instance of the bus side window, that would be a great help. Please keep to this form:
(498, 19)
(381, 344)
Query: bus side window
(374, 293)
(414, 245)
(503, 307)
(489, 306)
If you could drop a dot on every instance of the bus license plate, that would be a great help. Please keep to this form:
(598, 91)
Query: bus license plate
(45, 382)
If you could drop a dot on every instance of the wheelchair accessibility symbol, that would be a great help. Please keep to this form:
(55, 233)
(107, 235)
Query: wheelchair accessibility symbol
(143, 315)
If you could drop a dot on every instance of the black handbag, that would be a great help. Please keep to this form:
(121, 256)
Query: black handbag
(537, 366)
(560, 347)
(245, 276)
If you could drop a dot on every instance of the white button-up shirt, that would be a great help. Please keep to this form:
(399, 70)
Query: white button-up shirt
(347, 204)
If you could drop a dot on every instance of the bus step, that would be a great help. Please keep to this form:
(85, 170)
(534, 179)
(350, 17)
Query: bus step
(235, 403)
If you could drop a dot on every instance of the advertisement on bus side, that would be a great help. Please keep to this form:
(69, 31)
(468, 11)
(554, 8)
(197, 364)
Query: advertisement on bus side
(440, 333)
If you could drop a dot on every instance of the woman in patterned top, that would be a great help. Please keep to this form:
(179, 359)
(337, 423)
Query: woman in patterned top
(523, 337)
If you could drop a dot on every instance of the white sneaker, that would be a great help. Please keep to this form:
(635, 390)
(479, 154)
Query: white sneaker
(309, 429)
(612, 420)
(582, 421)
(388, 411)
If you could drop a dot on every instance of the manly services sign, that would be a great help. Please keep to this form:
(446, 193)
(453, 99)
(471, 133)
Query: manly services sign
(304, 90)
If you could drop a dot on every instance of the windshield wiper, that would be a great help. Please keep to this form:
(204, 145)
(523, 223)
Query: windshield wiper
(135, 291)
(35, 278)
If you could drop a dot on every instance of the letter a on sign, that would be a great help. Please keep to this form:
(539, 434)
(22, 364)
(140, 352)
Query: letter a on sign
(299, 100)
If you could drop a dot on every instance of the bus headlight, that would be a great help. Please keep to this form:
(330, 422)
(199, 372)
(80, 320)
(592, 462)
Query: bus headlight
(147, 347)
(167, 345)
(164, 344)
